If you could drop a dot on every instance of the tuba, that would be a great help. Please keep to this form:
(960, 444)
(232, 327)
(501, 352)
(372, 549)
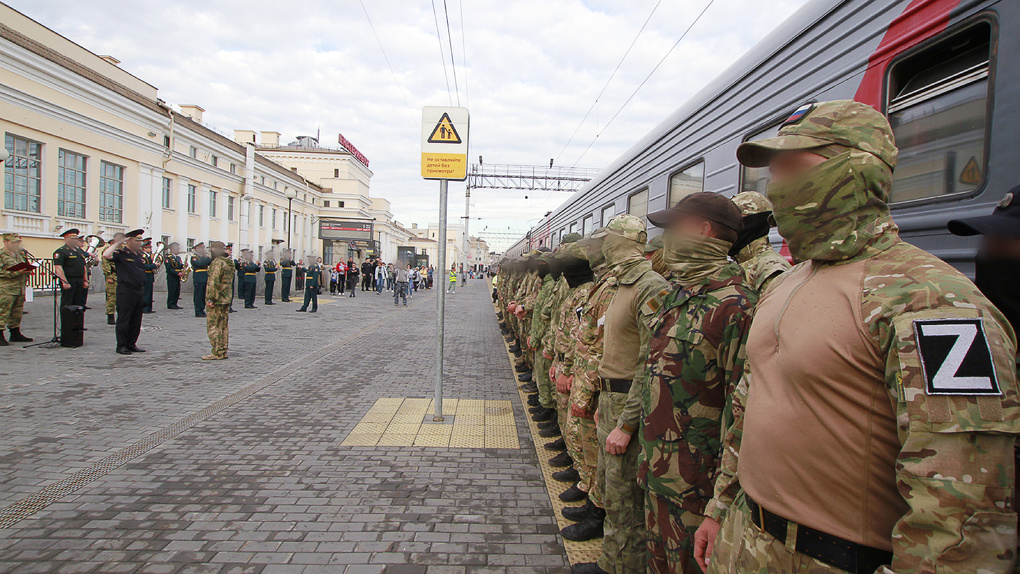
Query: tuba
(93, 243)
(159, 253)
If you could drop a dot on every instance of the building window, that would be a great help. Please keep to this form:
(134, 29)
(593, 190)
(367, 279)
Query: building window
(233, 168)
(23, 174)
(637, 204)
(193, 151)
(339, 204)
(685, 182)
(757, 178)
(573, 227)
(586, 224)
(111, 192)
(166, 240)
(168, 194)
(262, 216)
(325, 203)
(70, 184)
(938, 109)
(191, 244)
(607, 213)
(286, 221)
(336, 173)
(166, 141)
(215, 161)
(212, 203)
(275, 186)
(274, 218)
(192, 198)
(230, 207)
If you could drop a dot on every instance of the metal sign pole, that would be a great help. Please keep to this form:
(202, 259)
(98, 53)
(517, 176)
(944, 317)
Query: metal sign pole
(440, 281)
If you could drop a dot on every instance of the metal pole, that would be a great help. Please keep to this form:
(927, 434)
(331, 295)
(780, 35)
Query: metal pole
(289, 203)
(441, 280)
(467, 219)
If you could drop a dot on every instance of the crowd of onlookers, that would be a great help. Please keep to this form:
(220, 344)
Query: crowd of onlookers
(375, 275)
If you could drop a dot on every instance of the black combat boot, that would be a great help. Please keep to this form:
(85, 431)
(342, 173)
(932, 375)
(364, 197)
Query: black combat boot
(529, 387)
(111, 320)
(515, 348)
(561, 460)
(524, 377)
(568, 475)
(578, 513)
(17, 337)
(586, 568)
(550, 432)
(573, 494)
(555, 445)
(3, 340)
(589, 528)
(540, 414)
(533, 400)
(521, 368)
(546, 424)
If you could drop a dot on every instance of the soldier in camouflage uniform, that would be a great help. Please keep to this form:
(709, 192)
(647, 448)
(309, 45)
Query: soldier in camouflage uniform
(695, 359)
(653, 253)
(627, 330)
(536, 341)
(752, 250)
(12, 289)
(556, 349)
(874, 427)
(110, 274)
(218, 294)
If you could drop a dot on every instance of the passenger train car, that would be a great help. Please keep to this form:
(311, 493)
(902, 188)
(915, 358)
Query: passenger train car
(932, 66)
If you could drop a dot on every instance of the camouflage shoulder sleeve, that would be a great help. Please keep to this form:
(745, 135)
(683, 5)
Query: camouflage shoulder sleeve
(653, 289)
(727, 485)
(955, 468)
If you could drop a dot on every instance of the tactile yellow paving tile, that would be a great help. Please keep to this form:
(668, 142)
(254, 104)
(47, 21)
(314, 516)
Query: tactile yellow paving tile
(577, 552)
(408, 422)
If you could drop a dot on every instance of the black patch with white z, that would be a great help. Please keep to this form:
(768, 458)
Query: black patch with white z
(955, 357)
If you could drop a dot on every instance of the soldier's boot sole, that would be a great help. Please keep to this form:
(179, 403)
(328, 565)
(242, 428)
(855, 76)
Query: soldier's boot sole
(17, 337)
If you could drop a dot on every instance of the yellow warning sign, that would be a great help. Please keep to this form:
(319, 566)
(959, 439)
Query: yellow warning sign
(443, 166)
(444, 132)
(971, 174)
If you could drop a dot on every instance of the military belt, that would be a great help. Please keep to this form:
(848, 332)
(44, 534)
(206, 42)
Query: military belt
(251, 273)
(286, 268)
(832, 550)
(616, 385)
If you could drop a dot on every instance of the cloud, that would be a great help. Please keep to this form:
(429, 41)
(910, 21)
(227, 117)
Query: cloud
(533, 68)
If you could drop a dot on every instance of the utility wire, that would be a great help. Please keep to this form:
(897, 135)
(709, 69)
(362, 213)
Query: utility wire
(463, 52)
(442, 56)
(453, 64)
(611, 76)
(387, 58)
(677, 43)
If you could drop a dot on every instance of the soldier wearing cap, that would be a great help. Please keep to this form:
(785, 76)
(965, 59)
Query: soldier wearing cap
(875, 423)
(149, 266)
(269, 268)
(535, 339)
(248, 270)
(129, 264)
(219, 293)
(653, 253)
(12, 288)
(627, 330)
(110, 275)
(200, 277)
(286, 273)
(695, 359)
(69, 266)
(752, 250)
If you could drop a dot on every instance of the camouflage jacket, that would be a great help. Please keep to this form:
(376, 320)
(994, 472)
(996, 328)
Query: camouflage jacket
(219, 289)
(540, 319)
(552, 336)
(589, 340)
(695, 359)
(761, 264)
(568, 320)
(11, 282)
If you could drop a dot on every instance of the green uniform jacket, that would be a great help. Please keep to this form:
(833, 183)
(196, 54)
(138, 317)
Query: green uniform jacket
(219, 290)
(12, 283)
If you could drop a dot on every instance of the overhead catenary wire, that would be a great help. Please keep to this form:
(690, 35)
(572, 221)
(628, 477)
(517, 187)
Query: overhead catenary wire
(442, 56)
(396, 79)
(453, 64)
(643, 82)
(611, 76)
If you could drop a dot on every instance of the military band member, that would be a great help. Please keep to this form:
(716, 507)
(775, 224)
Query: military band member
(149, 266)
(90, 262)
(69, 265)
(110, 274)
(269, 266)
(130, 267)
(248, 271)
(200, 274)
(286, 273)
(174, 271)
(12, 288)
(312, 276)
(219, 294)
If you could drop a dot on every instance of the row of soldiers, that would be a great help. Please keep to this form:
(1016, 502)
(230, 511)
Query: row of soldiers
(717, 410)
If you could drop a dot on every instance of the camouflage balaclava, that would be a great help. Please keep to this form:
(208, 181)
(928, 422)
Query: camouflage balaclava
(625, 240)
(838, 209)
(693, 258)
(653, 250)
(574, 262)
(596, 258)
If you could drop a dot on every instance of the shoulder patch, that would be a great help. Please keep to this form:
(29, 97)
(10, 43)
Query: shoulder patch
(955, 357)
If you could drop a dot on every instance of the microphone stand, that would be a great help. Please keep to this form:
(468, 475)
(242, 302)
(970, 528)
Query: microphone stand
(55, 341)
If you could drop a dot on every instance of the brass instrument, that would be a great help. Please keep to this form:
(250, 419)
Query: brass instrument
(159, 253)
(93, 243)
(187, 265)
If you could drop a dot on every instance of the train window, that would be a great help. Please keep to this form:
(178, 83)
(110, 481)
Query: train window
(573, 227)
(757, 178)
(685, 182)
(938, 107)
(637, 204)
(586, 225)
(607, 213)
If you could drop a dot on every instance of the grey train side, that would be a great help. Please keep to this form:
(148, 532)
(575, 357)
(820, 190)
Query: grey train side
(930, 65)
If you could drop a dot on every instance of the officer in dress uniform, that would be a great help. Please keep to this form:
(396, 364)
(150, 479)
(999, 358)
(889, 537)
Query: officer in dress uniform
(131, 273)
(312, 276)
(248, 271)
(200, 272)
(286, 273)
(69, 265)
(269, 266)
(110, 274)
(174, 269)
(150, 275)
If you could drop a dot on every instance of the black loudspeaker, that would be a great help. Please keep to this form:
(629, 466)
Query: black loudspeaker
(72, 326)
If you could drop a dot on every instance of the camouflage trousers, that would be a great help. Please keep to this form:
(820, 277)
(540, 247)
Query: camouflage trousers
(740, 548)
(12, 304)
(670, 536)
(111, 296)
(581, 437)
(625, 541)
(217, 328)
(540, 375)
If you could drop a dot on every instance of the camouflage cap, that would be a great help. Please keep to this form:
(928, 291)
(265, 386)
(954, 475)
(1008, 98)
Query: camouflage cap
(626, 226)
(12, 237)
(844, 122)
(572, 237)
(573, 249)
(654, 244)
(751, 202)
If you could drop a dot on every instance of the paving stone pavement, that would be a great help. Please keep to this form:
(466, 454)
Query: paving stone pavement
(255, 479)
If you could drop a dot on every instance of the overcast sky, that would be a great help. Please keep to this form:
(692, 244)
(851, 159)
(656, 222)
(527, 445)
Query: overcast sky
(528, 70)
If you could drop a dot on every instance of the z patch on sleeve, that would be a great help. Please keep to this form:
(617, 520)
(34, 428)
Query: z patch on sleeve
(955, 357)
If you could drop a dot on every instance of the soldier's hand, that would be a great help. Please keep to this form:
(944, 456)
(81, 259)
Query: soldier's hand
(65, 285)
(617, 441)
(579, 412)
(704, 542)
(552, 373)
(563, 383)
(519, 312)
(547, 355)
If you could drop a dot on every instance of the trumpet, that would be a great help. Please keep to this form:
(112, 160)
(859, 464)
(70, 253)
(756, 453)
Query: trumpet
(159, 253)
